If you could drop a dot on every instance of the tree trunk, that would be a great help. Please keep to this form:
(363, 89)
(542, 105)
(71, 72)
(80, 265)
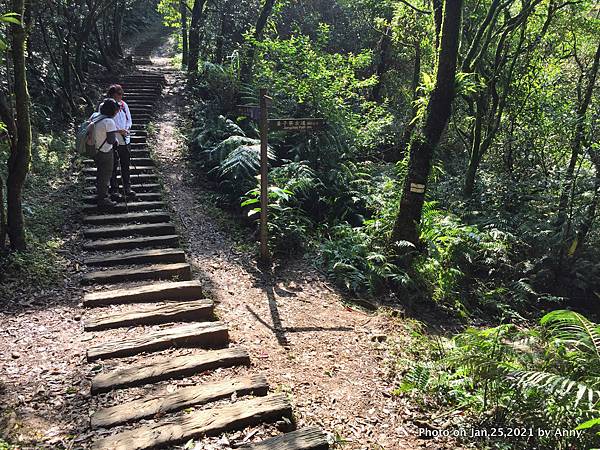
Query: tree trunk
(3, 225)
(194, 41)
(106, 60)
(18, 162)
(577, 141)
(184, 32)
(385, 48)
(436, 119)
(226, 25)
(414, 86)
(261, 23)
(115, 37)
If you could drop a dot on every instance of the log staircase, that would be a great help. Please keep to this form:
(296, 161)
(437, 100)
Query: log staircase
(133, 259)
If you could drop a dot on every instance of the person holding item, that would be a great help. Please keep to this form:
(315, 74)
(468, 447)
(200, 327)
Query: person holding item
(104, 137)
(122, 147)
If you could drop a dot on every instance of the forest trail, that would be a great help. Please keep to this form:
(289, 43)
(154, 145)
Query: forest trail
(140, 278)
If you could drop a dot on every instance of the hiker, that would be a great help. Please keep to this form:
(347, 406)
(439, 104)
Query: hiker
(104, 131)
(122, 147)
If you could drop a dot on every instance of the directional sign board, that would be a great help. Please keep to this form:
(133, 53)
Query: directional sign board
(252, 111)
(296, 124)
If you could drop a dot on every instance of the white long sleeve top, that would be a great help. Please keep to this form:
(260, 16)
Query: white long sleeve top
(123, 122)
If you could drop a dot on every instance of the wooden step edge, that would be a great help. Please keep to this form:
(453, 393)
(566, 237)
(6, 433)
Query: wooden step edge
(162, 403)
(203, 335)
(187, 311)
(308, 438)
(152, 370)
(180, 271)
(199, 423)
(152, 256)
(183, 290)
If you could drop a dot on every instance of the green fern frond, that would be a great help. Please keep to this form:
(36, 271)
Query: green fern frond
(572, 328)
(556, 385)
(243, 162)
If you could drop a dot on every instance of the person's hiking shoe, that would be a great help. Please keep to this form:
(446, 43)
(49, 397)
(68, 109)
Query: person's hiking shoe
(104, 203)
(116, 197)
(130, 194)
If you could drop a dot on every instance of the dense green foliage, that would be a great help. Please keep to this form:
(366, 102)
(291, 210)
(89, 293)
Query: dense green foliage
(509, 227)
(522, 235)
(506, 377)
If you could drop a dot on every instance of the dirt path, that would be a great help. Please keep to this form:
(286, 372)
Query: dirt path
(296, 327)
(330, 358)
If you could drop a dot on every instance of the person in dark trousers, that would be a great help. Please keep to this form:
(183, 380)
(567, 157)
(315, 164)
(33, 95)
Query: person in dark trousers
(105, 137)
(122, 147)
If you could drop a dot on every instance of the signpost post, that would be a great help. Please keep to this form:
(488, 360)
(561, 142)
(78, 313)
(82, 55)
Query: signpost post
(260, 113)
(264, 181)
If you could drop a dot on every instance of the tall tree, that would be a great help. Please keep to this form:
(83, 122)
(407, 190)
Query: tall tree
(261, 23)
(20, 152)
(183, 9)
(194, 39)
(424, 143)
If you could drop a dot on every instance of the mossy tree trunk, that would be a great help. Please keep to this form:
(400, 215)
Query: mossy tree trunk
(20, 157)
(424, 143)
(194, 35)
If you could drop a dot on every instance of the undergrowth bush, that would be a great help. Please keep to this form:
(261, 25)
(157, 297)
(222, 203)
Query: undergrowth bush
(48, 193)
(543, 378)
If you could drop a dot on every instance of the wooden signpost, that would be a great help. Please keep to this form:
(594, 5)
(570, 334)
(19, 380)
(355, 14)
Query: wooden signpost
(260, 113)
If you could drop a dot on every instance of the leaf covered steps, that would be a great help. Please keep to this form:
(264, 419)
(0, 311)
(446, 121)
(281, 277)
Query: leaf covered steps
(132, 170)
(199, 423)
(140, 197)
(132, 217)
(136, 178)
(168, 240)
(183, 398)
(203, 334)
(151, 229)
(126, 207)
(191, 310)
(144, 187)
(309, 438)
(167, 255)
(175, 290)
(166, 368)
(144, 161)
(180, 271)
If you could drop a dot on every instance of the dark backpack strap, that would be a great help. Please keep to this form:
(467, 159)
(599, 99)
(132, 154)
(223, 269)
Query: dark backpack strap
(102, 145)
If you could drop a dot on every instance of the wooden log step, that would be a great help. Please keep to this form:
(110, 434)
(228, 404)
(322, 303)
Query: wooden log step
(309, 438)
(137, 161)
(91, 171)
(126, 208)
(183, 398)
(138, 89)
(152, 370)
(188, 311)
(203, 334)
(138, 139)
(140, 197)
(168, 240)
(151, 229)
(138, 188)
(199, 423)
(180, 271)
(132, 217)
(140, 152)
(135, 178)
(155, 292)
(140, 103)
(154, 256)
